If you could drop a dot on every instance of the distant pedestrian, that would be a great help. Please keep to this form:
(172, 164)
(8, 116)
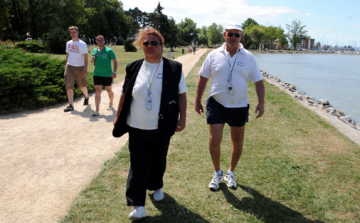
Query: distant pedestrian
(230, 67)
(194, 49)
(153, 97)
(76, 67)
(102, 57)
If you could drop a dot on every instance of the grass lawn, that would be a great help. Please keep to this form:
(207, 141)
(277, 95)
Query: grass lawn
(295, 168)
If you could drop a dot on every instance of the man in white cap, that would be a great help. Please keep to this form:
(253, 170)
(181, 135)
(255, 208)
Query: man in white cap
(230, 67)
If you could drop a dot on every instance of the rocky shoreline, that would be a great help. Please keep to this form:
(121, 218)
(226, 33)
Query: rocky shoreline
(322, 105)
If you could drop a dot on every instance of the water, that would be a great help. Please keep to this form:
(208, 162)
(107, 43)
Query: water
(335, 78)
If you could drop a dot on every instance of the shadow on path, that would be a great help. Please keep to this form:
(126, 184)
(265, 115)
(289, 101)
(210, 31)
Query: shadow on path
(172, 212)
(263, 207)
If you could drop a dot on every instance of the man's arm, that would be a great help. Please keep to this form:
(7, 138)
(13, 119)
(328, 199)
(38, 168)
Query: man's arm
(67, 56)
(182, 109)
(260, 91)
(199, 93)
(122, 96)
(86, 64)
(115, 68)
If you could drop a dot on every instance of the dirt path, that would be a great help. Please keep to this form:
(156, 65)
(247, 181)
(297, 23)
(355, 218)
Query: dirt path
(47, 156)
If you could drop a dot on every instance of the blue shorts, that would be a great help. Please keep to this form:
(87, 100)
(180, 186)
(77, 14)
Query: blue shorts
(105, 81)
(216, 113)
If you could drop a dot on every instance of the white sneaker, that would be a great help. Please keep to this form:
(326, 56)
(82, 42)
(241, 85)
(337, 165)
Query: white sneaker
(217, 178)
(230, 178)
(158, 195)
(137, 212)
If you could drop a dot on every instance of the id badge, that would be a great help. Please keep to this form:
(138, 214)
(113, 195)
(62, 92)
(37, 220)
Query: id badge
(148, 103)
(230, 89)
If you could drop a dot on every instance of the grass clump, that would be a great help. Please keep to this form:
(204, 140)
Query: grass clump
(295, 168)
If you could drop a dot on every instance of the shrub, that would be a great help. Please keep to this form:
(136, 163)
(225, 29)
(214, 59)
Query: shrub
(29, 81)
(129, 46)
(31, 46)
(120, 41)
(55, 40)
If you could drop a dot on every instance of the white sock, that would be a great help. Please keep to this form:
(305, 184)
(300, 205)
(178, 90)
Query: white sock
(219, 172)
(230, 172)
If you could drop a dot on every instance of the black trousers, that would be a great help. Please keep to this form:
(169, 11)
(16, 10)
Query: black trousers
(148, 151)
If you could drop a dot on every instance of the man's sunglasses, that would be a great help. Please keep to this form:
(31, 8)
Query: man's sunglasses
(237, 35)
(153, 43)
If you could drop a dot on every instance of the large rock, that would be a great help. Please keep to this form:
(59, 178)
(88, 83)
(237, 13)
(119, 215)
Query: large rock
(323, 102)
(345, 118)
(341, 113)
(353, 124)
(333, 112)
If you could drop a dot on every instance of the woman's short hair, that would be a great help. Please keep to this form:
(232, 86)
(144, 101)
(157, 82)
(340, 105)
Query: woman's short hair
(148, 31)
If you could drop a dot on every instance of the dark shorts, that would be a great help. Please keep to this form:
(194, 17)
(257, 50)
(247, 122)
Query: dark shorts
(216, 113)
(104, 81)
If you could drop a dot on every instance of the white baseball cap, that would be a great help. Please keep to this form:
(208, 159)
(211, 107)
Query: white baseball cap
(233, 26)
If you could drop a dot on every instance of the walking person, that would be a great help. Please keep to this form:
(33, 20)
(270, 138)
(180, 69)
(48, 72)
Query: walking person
(153, 96)
(102, 57)
(76, 67)
(230, 67)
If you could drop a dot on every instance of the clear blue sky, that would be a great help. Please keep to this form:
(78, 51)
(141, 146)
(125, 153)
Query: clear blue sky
(328, 21)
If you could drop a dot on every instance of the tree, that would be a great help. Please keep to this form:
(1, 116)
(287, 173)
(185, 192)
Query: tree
(249, 22)
(296, 33)
(136, 16)
(257, 34)
(282, 41)
(215, 34)
(166, 26)
(188, 31)
(318, 45)
(202, 36)
(270, 35)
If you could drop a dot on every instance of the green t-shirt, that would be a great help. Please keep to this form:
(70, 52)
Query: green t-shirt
(103, 62)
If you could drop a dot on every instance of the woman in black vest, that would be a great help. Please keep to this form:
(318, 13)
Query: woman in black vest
(153, 96)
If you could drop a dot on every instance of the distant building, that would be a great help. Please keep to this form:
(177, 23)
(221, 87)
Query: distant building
(308, 44)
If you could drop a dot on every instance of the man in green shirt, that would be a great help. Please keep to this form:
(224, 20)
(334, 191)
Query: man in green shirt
(102, 57)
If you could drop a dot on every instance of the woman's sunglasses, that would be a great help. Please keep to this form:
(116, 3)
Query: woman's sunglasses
(237, 35)
(153, 43)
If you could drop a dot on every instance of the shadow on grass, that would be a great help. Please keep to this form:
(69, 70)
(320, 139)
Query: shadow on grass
(171, 211)
(263, 207)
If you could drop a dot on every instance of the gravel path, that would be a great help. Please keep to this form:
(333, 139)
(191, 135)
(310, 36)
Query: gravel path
(47, 156)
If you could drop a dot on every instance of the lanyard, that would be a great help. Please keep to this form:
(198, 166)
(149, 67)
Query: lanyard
(231, 68)
(150, 81)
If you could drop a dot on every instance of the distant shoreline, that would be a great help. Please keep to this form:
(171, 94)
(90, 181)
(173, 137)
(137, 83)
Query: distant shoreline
(303, 52)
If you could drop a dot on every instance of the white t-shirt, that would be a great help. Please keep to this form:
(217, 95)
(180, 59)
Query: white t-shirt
(76, 51)
(139, 117)
(245, 69)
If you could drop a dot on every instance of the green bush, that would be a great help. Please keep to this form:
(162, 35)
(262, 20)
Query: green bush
(29, 81)
(55, 41)
(31, 46)
(129, 46)
(120, 41)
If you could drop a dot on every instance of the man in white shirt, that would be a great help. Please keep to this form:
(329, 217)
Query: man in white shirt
(76, 67)
(230, 67)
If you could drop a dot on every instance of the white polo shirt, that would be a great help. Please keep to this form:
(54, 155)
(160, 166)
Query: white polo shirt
(139, 117)
(76, 51)
(245, 69)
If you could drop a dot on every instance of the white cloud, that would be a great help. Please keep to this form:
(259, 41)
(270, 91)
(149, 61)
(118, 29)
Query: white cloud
(308, 14)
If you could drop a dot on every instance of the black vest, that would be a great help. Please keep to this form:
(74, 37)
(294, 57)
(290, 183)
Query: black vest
(169, 105)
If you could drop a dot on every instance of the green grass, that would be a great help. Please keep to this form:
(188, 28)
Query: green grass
(295, 168)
